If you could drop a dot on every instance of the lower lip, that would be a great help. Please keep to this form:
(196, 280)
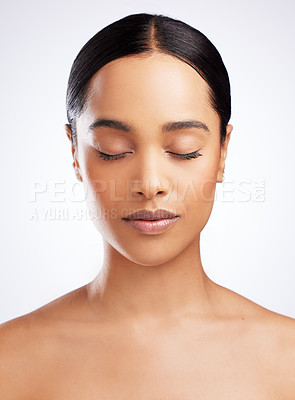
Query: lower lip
(151, 226)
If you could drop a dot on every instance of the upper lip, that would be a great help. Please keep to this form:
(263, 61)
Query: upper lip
(151, 215)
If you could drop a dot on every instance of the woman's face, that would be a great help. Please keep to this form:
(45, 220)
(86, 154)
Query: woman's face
(145, 94)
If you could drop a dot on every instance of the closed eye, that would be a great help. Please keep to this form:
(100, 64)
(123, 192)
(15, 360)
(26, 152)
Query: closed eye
(107, 157)
(187, 156)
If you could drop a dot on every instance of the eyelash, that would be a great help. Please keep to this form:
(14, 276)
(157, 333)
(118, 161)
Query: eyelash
(188, 156)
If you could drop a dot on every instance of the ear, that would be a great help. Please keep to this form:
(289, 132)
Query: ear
(223, 153)
(74, 154)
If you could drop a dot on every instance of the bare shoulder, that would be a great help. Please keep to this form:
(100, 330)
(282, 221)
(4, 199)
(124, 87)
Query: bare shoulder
(273, 336)
(29, 345)
(278, 328)
(20, 344)
(283, 328)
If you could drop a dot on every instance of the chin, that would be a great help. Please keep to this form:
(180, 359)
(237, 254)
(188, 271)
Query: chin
(148, 259)
(150, 250)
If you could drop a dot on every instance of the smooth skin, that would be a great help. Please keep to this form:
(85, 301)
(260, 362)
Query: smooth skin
(152, 325)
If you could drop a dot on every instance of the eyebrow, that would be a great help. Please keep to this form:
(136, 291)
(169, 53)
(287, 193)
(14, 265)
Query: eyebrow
(167, 127)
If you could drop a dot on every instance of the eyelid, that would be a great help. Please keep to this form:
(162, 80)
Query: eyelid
(187, 156)
(110, 157)
(182, 156)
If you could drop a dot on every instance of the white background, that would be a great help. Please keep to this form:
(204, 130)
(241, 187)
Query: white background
(248, 244)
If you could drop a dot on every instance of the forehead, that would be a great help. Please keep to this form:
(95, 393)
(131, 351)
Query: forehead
(153, 81)
(148, 91)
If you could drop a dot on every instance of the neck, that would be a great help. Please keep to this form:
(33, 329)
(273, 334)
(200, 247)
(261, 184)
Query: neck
(126, 290)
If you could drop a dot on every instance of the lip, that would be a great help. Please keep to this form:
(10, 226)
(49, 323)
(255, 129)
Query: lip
(149, 215)
(151, 222)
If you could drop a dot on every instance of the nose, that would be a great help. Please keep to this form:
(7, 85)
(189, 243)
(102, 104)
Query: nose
(150, 180)
(149, 191)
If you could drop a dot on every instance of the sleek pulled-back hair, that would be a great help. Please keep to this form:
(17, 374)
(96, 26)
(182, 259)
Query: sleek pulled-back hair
(149, 33)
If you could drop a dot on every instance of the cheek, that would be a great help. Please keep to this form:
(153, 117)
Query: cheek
(96, 182)
(207, 181)
(197, 190)
(106, 189)
(201, 178)
(106, 192)
(208, 174)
